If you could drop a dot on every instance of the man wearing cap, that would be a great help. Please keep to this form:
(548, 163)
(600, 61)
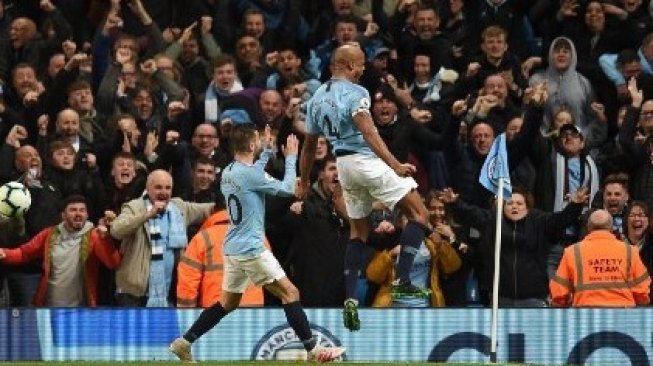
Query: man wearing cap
(571, 169)
(232, 117)
(563, 166)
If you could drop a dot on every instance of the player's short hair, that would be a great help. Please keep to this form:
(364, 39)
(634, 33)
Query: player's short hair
(241, 137)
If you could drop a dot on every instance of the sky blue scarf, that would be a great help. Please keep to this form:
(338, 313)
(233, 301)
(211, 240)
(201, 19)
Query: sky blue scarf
(212, 99)
(167, 233)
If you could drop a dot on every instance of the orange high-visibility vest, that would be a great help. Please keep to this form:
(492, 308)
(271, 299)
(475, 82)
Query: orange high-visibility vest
(600, 271)
(200, 270)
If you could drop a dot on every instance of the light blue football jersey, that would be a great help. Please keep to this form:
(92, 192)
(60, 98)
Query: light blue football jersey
(330, 112)
(244, 188)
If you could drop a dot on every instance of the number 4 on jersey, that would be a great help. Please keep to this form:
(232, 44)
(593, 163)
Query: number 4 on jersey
(331, 129)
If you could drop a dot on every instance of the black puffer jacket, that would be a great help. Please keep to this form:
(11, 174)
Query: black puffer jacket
(524, 247)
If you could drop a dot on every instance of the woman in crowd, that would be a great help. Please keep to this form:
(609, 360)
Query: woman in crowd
(638, 231)
(435, 259)
(526, 236)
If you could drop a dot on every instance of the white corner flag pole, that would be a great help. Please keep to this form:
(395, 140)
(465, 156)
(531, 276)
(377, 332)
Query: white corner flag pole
(495, 283)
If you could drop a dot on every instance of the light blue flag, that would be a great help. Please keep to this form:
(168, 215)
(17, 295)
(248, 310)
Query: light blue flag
(495, 167)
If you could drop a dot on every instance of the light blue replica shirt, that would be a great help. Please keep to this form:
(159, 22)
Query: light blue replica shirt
(330, 112)
(244, 188)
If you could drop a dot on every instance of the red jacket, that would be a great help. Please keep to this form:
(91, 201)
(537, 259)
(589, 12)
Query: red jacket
(40, 246)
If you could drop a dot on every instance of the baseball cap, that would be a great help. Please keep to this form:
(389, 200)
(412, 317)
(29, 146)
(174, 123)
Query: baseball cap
(235, 116)
(380, 52)
(385, 92)
(570, 127)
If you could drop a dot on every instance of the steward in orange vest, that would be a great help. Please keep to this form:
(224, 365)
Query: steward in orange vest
(600, 271)
(200, 270)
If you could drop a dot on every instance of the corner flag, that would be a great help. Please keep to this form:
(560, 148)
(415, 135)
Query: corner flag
(495, 167)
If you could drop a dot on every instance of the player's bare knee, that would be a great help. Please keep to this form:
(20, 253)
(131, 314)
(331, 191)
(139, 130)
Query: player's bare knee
(417, 214)
(421, 216)
(290, 294)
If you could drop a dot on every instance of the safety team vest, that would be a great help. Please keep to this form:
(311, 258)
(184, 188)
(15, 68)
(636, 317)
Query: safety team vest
(200, 270)
(600, 271)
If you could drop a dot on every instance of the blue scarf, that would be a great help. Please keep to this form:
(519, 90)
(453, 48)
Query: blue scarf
(167, 233)
(433, 88)
(212, 100)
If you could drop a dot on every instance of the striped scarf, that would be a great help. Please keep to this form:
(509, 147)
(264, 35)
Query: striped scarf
(167, 232)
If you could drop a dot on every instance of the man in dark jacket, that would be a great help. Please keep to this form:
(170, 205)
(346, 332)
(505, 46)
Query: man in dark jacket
(44, 211)
(319, 239)
(424, 35)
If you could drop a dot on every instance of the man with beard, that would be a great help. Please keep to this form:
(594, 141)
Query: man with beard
(615, 199)
(152, 231)
(245, 184)
(319, 239)
(25, 99)
(70, 252)
(367, 170)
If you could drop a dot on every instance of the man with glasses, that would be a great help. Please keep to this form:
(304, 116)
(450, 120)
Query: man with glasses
(206, 142)
(646, 118)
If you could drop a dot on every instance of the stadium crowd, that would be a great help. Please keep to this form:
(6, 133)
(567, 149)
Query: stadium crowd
(106, 103)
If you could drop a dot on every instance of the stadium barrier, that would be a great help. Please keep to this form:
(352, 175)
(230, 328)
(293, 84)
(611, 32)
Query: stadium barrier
(541, 336)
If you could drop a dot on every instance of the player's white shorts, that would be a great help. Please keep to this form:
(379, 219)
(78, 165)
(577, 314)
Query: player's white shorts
(261, 270)
(366, 179)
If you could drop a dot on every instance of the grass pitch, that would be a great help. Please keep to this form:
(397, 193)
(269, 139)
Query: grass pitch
(224, 363)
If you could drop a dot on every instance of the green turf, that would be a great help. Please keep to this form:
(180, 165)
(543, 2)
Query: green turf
(223, 363)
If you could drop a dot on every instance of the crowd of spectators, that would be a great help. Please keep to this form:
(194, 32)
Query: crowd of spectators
(113, 101)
